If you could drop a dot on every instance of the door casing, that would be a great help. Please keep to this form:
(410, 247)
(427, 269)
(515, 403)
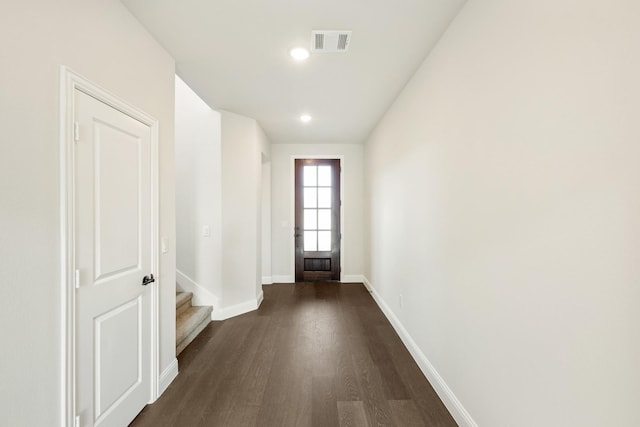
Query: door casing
(71, 81)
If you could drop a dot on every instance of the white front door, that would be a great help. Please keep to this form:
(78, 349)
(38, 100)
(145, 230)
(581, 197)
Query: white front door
(113, 252)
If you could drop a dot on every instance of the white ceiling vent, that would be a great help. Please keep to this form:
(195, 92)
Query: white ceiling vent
(330, 41)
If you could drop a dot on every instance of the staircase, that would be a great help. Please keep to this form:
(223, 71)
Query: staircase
(190, 320)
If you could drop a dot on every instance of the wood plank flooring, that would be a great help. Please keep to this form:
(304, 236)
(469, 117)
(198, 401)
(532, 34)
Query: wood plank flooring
(314, 354)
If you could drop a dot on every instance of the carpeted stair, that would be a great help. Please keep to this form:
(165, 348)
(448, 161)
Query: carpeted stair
(190, 320)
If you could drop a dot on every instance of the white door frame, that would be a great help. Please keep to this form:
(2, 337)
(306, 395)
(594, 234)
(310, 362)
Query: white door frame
(71, 81)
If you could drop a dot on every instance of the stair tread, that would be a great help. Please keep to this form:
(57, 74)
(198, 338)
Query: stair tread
(189, 320)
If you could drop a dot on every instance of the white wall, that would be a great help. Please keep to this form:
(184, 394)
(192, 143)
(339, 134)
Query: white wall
(504, 205)
(222, 165)
(243, 145)
(103, 42)
(266, 220)
(198, 195)
(263, 255)
(282, 202)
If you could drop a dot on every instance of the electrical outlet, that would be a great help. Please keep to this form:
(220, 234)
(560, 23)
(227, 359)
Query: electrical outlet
(401, 300)
(206, 231)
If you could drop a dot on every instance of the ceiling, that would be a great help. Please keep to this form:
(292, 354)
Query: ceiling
(235, 55)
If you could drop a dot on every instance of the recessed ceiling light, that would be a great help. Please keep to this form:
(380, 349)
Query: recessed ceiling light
(305, 118)
(299, 53)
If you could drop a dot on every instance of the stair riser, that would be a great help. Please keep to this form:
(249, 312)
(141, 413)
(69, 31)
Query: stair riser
(190, 320)
(183, 307)
(183, 302)
(192, 335)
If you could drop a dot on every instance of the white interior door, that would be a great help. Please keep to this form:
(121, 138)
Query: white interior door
(113, 252)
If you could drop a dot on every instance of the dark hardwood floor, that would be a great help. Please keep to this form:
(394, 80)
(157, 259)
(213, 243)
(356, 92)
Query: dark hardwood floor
(314, 354)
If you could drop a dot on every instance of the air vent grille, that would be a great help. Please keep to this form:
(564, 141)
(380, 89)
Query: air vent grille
(318, 41)
(330, 41)
(342, 41)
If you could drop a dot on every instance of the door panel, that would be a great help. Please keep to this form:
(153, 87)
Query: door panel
(117, 338)
(113, 251)
(317, 228)
(118, 221)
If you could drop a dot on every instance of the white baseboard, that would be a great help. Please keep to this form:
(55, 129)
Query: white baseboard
(167, 376)
(237, 309)
(283, 279)
(459, 413)
(347, 278)
(352, 278)
(201, 296)
(259, 299)
(367, 285)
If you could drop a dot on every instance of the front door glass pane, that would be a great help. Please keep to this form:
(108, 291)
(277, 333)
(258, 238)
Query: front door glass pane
(324, 176)
(324, 197)
(310, 219)
(310, 197)
(324, 240)
(310, 176)
(317, 203)
(324, 219)
(310, 240)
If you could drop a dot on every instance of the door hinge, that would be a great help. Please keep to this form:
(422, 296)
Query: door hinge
(77, 279)
(76, 131)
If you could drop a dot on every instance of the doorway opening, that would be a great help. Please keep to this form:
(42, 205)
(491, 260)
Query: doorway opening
(317, 219)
